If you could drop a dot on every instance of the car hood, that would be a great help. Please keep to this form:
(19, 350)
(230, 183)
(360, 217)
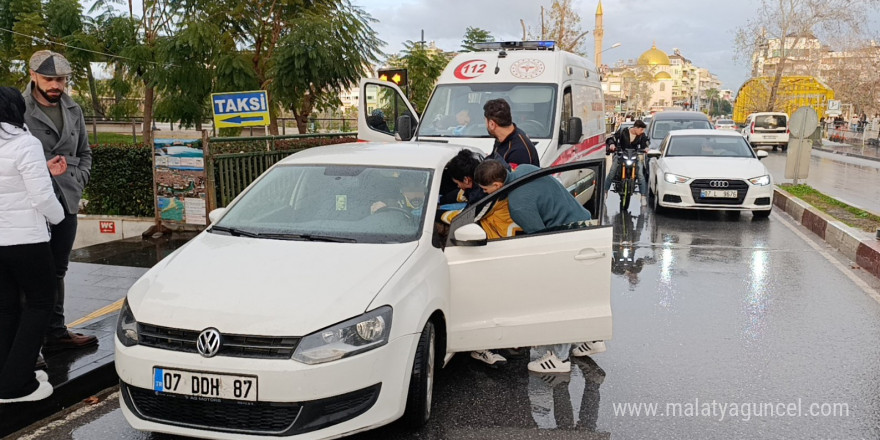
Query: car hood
(264, 287)
(715, 167)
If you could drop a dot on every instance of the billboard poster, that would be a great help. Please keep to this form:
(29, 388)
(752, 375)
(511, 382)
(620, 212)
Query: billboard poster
(180, 181)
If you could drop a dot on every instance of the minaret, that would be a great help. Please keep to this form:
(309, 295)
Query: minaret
(597, 34)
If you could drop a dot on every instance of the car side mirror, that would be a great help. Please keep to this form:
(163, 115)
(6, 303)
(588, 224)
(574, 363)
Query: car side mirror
(762, 154)
(653, 153)
(575, 131)
(404, 127)
(470, 235)
(216, 214)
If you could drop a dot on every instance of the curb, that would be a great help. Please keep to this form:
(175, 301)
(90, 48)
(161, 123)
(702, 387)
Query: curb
(856, 245)
(83, 376)
(846, 153)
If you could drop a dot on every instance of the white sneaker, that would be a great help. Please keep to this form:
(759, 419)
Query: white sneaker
(550, 364)
(588, 348)
(41, 375)
(488, 357)
(42, 392)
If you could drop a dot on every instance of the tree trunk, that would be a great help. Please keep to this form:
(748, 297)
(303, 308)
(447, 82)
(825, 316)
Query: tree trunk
(148, 115)
(302, 123)
(774, 88)
(93, 90)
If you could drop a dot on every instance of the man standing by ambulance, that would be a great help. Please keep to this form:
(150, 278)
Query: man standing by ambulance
(57, 121)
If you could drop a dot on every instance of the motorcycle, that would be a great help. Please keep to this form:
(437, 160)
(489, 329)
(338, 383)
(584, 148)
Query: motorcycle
(625, 180)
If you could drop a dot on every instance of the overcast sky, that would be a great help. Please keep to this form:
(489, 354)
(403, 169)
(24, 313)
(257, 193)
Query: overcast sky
(702, 29)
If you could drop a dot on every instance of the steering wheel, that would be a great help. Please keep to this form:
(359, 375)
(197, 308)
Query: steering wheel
(535, 123)
(406, 213)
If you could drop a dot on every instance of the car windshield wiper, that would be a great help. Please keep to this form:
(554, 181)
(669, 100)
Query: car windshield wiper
(307, 237)
(234, 231)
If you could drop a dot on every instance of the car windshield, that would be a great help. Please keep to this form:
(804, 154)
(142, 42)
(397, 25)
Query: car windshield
(770, 121)
(710, 146)
(457, 110)
(725, 121)
(344, 203)
(662, 128)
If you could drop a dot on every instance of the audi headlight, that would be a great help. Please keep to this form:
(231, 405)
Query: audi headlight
(126, 326)
(345, 339)
(761, 180)
(675, 178)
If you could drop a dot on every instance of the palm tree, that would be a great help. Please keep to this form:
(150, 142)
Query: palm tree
(712, 95)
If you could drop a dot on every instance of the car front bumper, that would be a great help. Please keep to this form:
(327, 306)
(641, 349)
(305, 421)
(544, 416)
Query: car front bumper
(682, 196)
(294, 400)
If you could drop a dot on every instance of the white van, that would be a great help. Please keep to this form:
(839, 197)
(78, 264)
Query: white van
(554, 96)
(767, 129)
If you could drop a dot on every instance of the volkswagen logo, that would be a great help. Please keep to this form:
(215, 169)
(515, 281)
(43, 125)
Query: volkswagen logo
(719, 183)
(209, 342)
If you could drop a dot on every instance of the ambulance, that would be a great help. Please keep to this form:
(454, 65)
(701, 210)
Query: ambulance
(555, 98)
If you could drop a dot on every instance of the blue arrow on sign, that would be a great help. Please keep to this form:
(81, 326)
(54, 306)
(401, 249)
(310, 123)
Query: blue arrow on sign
(238, 119)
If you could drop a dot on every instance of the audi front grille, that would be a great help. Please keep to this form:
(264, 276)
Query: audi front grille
(740, 186)
(244, 346)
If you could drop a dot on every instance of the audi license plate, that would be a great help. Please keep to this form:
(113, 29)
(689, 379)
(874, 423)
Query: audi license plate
(196, 384)
(718, 194)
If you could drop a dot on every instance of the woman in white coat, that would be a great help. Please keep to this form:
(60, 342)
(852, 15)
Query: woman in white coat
(27, 206)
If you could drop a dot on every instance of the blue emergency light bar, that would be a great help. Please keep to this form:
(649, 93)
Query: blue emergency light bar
(516, 45)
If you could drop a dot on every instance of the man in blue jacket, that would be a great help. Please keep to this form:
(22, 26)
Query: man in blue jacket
(537, 206)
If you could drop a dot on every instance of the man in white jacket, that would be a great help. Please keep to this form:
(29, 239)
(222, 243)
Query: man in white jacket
(27, 205)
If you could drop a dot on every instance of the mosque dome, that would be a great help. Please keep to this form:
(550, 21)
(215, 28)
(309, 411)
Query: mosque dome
(662, 75)
(654, 57)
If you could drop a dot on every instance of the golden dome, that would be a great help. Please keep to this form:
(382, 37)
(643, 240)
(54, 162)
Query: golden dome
(654, 57)
(662, 75)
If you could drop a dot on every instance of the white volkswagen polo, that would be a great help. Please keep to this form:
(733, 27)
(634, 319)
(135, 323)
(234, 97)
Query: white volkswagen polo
(319, 303)
(709, 169)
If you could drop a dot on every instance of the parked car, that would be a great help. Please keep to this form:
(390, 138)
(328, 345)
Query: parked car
(664, 122)
(709, 169)
(320, 302)
(767, 129)
(725, 124)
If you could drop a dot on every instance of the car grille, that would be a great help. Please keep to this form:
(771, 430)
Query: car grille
(740, 186)
(246, 346)
(257, 418)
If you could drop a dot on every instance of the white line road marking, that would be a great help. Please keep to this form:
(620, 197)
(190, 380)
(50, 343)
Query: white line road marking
(840, 266)
(71, 417)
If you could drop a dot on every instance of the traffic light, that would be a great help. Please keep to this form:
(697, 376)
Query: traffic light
(397, 76)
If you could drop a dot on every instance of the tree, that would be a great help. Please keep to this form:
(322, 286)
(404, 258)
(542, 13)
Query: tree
(712, 96)
(321, 56)
(790, 22)
(472, 36)
(564, 26)
(423, 67)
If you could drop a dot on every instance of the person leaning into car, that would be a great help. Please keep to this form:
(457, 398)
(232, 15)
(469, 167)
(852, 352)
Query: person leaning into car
(625, 139)
(57, 121)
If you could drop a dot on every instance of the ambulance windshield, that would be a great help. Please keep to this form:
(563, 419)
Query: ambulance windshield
(457, 110)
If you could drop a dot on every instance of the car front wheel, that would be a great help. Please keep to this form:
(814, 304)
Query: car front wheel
(762, 214)
(421, 382)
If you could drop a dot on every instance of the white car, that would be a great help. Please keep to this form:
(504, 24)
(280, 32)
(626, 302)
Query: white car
(767, 129)
(709, 169)
(319, 303)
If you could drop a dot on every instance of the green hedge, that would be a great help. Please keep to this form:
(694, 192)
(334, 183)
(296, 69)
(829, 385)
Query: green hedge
(121, 182)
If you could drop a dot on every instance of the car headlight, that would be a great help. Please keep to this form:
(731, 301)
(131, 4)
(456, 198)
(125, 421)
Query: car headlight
(126, 326)
(760, 181)
(345, 339)
(675, 178)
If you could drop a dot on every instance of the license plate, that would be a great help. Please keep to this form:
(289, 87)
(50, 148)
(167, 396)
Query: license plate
(209, 385)
(767, 136)
(718, 194)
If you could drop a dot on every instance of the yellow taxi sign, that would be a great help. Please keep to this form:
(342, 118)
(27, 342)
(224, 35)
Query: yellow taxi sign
(240, 109)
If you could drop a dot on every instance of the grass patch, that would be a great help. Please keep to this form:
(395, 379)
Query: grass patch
(112, 138)
(849, 215)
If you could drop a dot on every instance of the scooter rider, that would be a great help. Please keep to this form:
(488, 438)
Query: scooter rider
(625, 139)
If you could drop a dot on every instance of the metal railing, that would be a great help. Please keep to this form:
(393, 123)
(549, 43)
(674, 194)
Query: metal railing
(859, 136)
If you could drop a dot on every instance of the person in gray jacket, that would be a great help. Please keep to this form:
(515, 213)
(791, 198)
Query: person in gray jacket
(57, 121)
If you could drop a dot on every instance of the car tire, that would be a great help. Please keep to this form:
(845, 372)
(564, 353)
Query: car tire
(775, 147)
(421, 382)
(655, 197)
(785, 147)
(762, 214)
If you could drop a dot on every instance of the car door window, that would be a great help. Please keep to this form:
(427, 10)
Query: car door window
(384, 106)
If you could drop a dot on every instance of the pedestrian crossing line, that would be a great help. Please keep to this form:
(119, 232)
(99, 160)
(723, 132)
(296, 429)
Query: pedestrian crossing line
(103, 311)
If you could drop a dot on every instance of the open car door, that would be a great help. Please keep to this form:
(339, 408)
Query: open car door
(380, 106)
(549, 287)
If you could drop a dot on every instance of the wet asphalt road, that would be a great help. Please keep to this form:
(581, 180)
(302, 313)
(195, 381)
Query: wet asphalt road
(707, 307)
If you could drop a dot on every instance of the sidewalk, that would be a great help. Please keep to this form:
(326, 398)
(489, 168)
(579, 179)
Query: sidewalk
(97, 280)
(869, 152)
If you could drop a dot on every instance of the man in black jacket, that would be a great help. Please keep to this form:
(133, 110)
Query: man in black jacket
(512, 145)
(625, 139)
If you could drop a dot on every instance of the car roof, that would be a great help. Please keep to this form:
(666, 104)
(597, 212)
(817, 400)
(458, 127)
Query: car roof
(392, 154)
(680, 115)
(703, 132)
